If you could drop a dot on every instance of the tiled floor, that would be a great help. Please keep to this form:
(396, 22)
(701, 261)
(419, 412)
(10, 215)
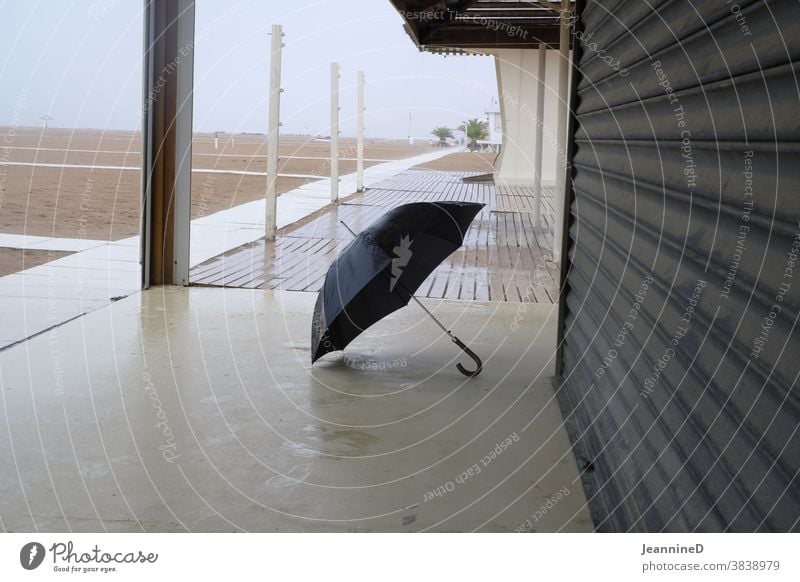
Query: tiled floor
(44, 243)
(197, 409)
(100, 272)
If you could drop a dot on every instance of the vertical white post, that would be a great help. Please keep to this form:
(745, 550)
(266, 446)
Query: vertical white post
(334, 132)
(360, 134)
(537, 142)
(184, 124)
(561, 130)
(271, 224)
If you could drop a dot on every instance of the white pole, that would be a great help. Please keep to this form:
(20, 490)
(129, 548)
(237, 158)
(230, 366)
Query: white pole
(271, 225)
(360, 134)
(537, 140)
(334, 132)
(561, 129)
(183, 124)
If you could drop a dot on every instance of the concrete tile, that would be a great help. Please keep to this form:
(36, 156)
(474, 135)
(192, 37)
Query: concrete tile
(112, 269)
(197, 409)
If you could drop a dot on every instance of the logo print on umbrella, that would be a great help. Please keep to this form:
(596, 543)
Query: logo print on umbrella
(402, 255)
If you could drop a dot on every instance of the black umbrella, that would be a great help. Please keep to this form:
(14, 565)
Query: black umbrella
(381, 269)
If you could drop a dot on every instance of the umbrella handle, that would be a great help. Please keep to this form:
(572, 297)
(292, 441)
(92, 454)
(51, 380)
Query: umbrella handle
(457, 341)
(472, 355)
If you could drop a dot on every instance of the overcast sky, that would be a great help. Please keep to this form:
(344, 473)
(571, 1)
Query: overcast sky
(80, 62)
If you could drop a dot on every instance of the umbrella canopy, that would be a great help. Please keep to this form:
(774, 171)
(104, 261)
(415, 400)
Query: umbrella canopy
(383, 266)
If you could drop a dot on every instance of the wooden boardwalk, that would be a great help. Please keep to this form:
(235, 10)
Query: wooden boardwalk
(504, 258)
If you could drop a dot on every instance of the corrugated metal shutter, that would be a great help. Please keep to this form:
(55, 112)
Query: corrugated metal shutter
(681, 348)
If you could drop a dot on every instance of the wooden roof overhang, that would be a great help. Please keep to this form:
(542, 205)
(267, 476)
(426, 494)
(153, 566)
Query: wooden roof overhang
(459, 26)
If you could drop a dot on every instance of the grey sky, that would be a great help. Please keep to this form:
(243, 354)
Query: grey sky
(80, 61)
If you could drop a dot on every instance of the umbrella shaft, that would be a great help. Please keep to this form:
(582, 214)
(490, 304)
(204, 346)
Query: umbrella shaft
(410, 294)
(348, 228)
(431, 315)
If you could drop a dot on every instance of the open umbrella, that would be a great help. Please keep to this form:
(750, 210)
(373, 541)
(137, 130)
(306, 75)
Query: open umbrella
(383, 266)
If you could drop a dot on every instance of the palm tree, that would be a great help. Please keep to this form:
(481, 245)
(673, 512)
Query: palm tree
(475, 129)
(442, 133)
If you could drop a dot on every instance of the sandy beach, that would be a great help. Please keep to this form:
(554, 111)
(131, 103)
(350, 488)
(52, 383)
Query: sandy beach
(46, 197)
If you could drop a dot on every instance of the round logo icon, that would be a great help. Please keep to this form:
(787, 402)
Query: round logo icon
(31, 555)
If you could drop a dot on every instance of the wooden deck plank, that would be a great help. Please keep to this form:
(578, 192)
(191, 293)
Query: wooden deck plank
(503, 257)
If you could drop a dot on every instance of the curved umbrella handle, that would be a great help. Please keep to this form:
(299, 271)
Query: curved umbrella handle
(472, 355)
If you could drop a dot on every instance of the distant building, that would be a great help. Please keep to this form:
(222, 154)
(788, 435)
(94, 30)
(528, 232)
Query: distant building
(495, 137)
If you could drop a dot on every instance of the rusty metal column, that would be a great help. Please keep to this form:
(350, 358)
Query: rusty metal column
(168, 84)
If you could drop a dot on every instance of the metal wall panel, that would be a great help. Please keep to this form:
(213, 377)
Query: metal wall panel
(681, 351)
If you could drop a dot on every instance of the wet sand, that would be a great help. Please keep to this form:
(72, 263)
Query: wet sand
(104, 204)
(13, 260)
(462, 162)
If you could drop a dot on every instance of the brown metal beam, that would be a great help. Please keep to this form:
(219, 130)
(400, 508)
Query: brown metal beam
(160, 101)
(166, 141)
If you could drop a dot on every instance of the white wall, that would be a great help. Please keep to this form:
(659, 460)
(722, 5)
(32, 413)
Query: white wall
(517, 78)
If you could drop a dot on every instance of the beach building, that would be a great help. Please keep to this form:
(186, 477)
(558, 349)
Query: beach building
(494, 124)
(629, 282)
